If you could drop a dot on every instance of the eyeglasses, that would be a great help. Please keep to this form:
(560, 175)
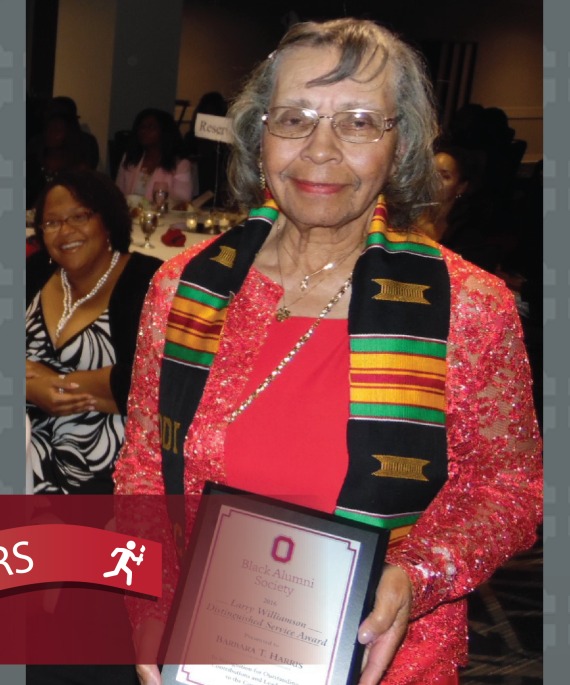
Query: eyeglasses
(353, 126)
(75, 221)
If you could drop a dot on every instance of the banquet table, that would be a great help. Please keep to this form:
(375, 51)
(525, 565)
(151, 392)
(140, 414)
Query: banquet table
(160, 250)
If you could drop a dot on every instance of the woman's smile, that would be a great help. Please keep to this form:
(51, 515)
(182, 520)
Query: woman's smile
(318, 188)
(76, 244)
(76, 249)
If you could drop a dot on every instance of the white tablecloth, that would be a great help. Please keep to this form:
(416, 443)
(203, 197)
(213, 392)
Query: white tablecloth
(161, 250)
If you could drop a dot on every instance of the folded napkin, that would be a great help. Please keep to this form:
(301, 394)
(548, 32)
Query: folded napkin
(174, 237)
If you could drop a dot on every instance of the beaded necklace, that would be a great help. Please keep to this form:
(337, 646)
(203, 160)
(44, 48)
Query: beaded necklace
(69, 309)
(283, 363)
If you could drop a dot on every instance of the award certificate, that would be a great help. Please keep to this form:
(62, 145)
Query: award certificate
(273, 594)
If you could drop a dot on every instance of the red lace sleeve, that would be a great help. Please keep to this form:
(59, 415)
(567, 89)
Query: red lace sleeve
(492, 502)
(139, 467)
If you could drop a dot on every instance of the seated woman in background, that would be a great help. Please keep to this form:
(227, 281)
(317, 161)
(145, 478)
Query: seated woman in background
(81, 327)
(461, 219)
(210, 156)
(154, 155)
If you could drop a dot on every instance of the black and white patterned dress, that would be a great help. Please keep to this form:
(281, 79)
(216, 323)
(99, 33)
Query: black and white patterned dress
(77, 453)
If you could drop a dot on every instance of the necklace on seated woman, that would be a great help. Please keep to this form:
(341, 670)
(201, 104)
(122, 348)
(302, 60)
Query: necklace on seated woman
(69, 309)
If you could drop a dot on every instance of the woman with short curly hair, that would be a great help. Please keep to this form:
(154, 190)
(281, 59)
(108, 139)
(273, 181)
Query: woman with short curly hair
(81, 324)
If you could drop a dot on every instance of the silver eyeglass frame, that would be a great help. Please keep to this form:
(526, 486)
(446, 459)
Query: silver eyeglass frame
(389, 123)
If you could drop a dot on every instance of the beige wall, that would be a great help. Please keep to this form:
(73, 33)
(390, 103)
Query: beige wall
(509, 73)
(84, 62)
(218, 50)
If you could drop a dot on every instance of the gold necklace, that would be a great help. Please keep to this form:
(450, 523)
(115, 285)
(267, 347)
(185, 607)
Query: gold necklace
(284, 312)
(304, 284)
(283, 363)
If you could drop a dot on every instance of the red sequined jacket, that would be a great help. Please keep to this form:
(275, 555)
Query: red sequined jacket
(488, 509)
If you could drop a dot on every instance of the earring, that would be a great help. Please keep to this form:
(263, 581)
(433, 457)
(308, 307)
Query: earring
(459, 196)
(261, 175)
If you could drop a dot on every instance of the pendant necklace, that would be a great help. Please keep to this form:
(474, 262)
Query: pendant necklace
(69, 309)
(284, 312)
(304, 284)
(305, 281)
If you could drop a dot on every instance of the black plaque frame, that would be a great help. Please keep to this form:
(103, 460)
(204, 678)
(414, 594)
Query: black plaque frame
(374, 541)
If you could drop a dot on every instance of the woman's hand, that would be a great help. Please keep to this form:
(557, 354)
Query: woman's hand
(147, 638)
(37, 369)
(78, 392)
(385, 628)
(53, 393)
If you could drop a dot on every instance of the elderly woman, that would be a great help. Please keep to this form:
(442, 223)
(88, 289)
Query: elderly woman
(81, 327)
(324, 351)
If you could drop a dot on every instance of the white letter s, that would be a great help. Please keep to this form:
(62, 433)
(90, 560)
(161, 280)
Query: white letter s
(23, 556)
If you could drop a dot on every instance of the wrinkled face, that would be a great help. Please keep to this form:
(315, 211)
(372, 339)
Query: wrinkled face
(450, 174)
(74, 249)
(148, 132)
(322, 181)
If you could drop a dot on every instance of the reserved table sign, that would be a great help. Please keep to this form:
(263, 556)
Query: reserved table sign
(214, 128)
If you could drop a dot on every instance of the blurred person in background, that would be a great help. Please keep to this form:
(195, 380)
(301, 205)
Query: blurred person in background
(155, 155)
(461, 219)
(61, 146)
(210, 156)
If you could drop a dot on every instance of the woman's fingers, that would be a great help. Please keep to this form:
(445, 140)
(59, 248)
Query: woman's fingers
(60, 382)
(147, 637)
(148, 674)
(385, 628)
(66, 400)
(66, 403)
(56, 396)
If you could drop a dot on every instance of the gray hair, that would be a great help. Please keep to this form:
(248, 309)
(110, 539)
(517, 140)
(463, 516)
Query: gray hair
(415, 182)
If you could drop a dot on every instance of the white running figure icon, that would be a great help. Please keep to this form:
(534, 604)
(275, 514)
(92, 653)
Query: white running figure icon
(126, 555)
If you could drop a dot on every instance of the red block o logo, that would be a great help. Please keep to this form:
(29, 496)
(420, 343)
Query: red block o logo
(282, 544)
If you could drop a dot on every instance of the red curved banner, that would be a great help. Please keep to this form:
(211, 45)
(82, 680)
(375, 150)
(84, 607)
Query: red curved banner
(47, 553)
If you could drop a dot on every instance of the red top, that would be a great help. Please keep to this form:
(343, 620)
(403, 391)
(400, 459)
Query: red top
(278, 437)
(487, 510)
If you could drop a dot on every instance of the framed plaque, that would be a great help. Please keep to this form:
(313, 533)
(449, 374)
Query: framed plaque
(271, 593)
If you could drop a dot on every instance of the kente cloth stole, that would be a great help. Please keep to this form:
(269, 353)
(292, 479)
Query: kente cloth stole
(398, 325)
